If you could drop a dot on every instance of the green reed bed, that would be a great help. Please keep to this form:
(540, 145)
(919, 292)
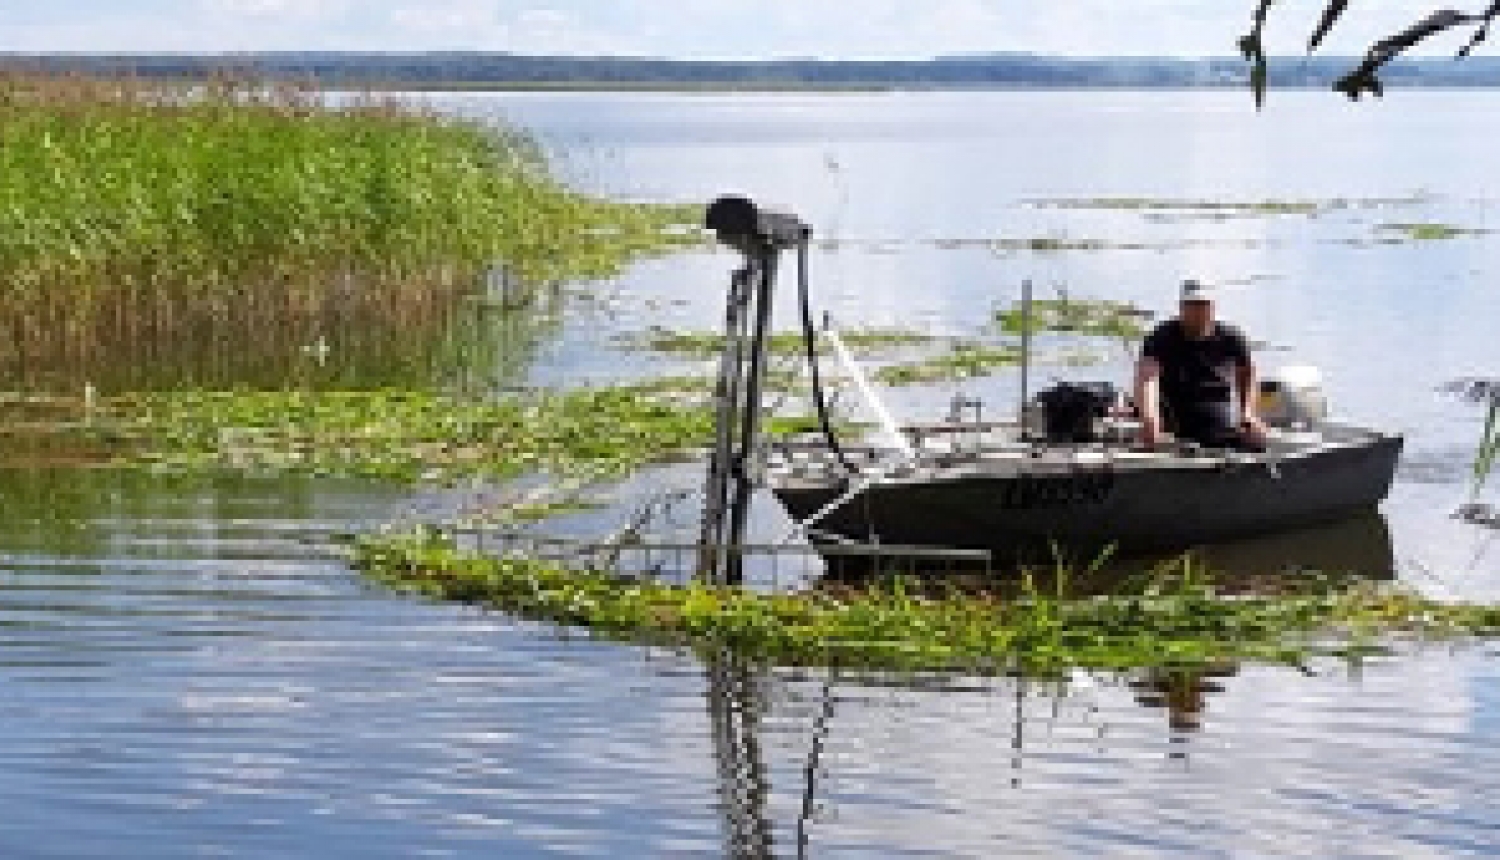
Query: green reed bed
(208, 184)
(149, 204)
(887, 625)
(394, 334)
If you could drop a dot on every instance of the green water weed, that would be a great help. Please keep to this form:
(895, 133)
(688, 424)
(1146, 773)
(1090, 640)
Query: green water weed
(890, 625)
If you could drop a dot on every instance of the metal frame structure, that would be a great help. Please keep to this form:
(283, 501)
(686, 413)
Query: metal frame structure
(760, 237)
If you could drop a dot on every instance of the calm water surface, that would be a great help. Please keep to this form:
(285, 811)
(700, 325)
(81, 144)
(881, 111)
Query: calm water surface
(191, 671)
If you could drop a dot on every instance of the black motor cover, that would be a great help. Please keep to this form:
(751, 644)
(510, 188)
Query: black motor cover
(1069, 409)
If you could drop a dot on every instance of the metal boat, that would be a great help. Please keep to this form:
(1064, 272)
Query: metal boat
(985, 487)
(1066, 478)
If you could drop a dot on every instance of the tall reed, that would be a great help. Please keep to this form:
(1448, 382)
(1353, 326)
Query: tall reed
(133, 210)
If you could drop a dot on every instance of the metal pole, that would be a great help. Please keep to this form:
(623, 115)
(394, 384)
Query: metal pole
(727, 397)
(1025, 355)
(744, 488)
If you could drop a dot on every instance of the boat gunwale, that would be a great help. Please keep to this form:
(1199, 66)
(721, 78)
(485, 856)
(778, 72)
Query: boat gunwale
(1015, 461)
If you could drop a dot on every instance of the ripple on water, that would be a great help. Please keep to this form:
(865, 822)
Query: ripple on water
(199, 702)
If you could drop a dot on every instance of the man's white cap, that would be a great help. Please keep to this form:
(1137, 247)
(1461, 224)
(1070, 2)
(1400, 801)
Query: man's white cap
(1195, 291)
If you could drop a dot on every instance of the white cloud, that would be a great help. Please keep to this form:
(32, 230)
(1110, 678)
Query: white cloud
(465, 17)
(549, 31)
(250, 7)
(547, 19)
(482, 25)
(273, 11)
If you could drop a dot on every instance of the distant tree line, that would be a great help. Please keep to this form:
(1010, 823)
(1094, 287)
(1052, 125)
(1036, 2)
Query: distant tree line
(970, 71)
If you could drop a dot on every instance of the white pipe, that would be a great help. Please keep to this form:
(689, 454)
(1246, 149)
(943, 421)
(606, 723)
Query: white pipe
(887, 423)
(856, 488)
(867, 391)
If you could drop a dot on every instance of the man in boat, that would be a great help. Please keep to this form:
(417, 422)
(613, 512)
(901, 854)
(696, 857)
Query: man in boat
(1196, 379)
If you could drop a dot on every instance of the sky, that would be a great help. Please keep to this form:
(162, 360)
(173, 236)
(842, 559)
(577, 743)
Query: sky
(835, 29)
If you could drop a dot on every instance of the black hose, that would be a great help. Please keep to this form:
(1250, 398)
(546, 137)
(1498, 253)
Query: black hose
(809, 340)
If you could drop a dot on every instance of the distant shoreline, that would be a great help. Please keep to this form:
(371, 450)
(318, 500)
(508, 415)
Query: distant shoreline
(709, 87)
(499, 72)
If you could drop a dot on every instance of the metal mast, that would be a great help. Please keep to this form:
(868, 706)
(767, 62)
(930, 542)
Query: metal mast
(760, 237)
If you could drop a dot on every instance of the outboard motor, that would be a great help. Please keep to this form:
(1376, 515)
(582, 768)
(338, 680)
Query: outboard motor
(1071, 410)
(1292, 398)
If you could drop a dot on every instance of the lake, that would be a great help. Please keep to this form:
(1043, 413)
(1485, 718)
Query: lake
(193, 671)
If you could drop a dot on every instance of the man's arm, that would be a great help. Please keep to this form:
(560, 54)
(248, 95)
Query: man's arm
(1148, 398)
(1246, 379)
(1247, 384)
(1252, 430)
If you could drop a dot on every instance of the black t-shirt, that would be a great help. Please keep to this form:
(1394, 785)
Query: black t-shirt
(1197, 370)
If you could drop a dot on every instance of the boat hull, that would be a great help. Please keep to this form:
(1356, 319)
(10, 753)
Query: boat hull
(1022, 518)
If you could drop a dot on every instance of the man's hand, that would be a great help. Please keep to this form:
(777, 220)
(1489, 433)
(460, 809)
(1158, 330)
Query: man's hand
(1253, 431)
(1151, 434)
(1148, 401)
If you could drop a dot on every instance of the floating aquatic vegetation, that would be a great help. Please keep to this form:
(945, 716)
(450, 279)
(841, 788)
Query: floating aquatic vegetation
(695, 389)
(533, 512)
(1057, 244)
(1083, 317)
(710, 344)
(1216, 216)
(963, 361)
(1263, 207)
(401, 435)
(1044, 244)
(685, 387)
(1426, 232)
(893, 624)
(1230, 208)
(394, 434)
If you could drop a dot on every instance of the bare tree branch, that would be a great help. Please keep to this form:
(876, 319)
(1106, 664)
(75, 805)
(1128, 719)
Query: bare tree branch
(1330, 17)
(1483, 32)
(1363, 78)
(1253, 47)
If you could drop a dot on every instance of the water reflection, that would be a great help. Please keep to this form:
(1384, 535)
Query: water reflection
(70, 513)
(1360, 545)
(1183, 693)
(735, 713)
(1270, 760)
